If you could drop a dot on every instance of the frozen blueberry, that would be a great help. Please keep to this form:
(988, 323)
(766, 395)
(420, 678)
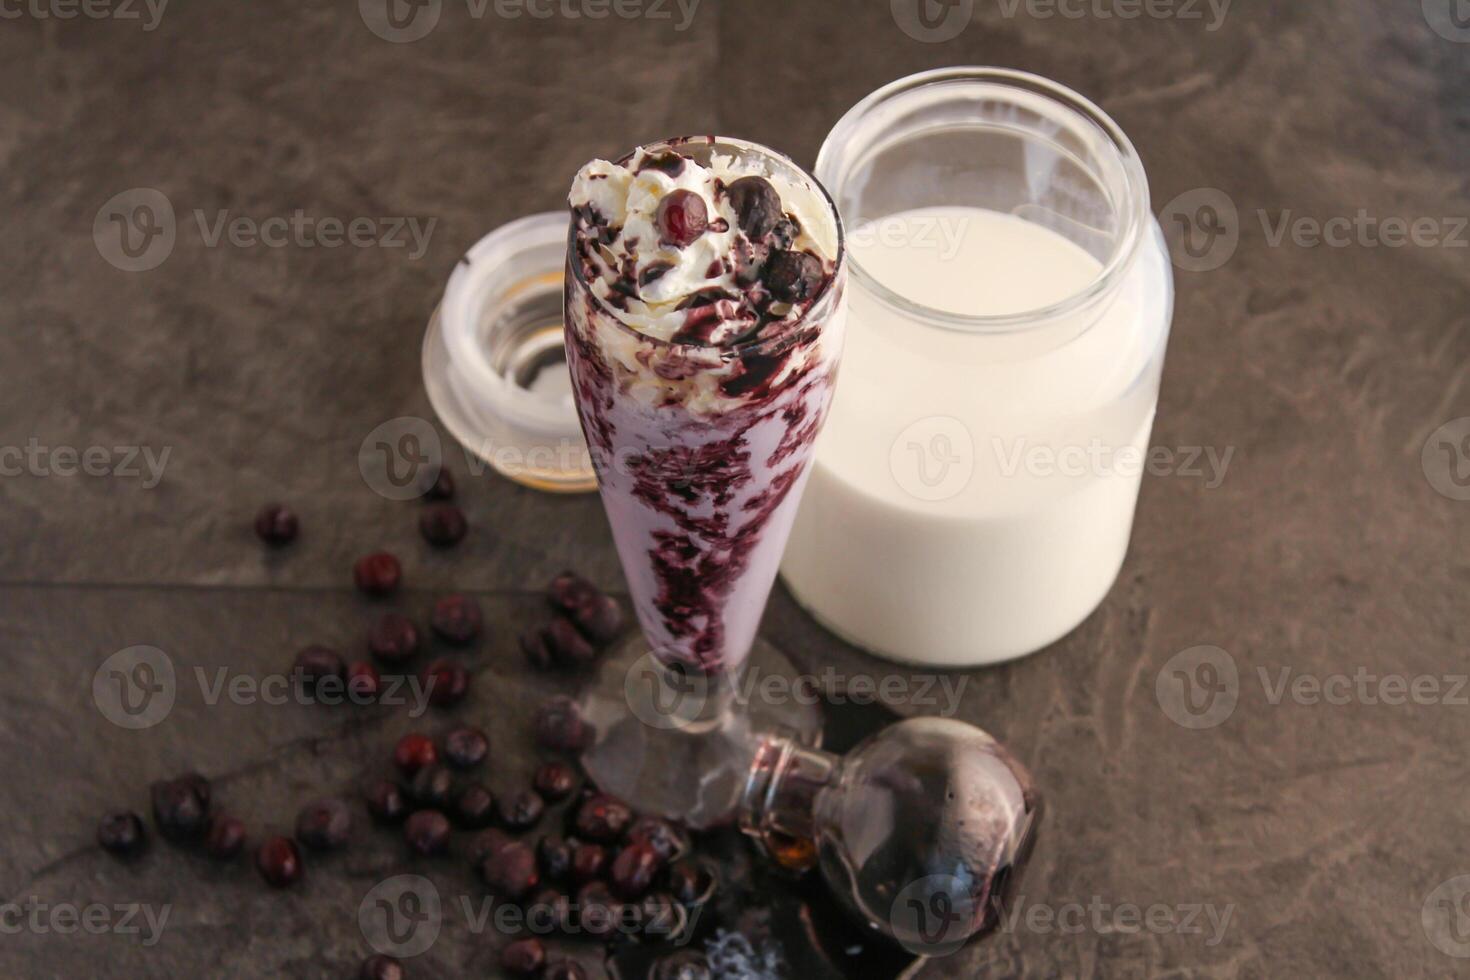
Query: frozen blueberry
(465, 747)
(413, 752)
(603, 818)
(474, 807)
(393, 638)
(681, 218)
(443, 525)
(380, 967)
(634, 869)
(487, 843)
(386, 802)
(276, 525)
(456, 619)
(447, 682)
(363, 681)
(122, 833)
(555, 781)
(589, 861)
(511, 871)
(179, 809)
(599, 618)
(600, 911)
(432, 788)
(225, 838)
(667, 841)
(378, 573)
(521, 811)
(427, 832)
(324, 825)
(555, 857)
(568, 646)
(279, 862)
(560, 726)
(569, 590)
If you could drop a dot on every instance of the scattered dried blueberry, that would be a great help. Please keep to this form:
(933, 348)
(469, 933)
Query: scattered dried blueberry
(179, 809)
(413, 752)
(569, 590)
(599, 618)
(521, 811)
(603, 818)
(589, 861)
(599, 910)
(279, 862)
(122, 833)
(443, 486)
(474, 807)
(555, 857)
(523, 957)
(560, 727)
(487, 843)
(511, 871)
(565, 970)
(692, 882)
(363, 681)
(465, 747)
(667, 840)
(793, 276)
(432, 788)
(393, 638)
(427, 832)
(682, 216)
(555, 781)
(447, 682)
(320, 667)
(457, 619)
(324, 825)
(443, 525)
(276, 525)
(380, 967)
(386, 802)
(757, 206)
(634, 869)
(568, 646)
(225, 838)
(378, 573)
(536, 645)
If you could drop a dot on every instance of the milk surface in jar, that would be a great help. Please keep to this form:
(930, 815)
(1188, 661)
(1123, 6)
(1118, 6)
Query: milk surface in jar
(973, 492)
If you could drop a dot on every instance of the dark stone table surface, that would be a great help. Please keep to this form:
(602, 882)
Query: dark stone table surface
(1301, 835)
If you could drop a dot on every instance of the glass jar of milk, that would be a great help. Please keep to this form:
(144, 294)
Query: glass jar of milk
(1010, 299)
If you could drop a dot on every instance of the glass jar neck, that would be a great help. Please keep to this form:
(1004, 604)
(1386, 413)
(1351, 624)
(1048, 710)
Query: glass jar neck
(781, 789)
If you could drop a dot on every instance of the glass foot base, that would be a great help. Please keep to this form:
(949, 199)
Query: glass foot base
(680, 745)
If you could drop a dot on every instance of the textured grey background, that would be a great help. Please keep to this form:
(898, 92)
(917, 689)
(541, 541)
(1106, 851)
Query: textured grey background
(1323, 829)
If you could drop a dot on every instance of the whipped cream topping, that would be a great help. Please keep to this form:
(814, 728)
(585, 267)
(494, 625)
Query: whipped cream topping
(701, 276)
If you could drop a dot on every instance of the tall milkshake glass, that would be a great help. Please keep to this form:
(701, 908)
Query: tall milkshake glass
(700, 400)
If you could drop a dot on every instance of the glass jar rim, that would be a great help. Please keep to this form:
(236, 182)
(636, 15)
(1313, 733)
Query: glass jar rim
(1135, 217)
(729, 351)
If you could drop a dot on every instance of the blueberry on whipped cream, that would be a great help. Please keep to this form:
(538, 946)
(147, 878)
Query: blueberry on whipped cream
(712, 255)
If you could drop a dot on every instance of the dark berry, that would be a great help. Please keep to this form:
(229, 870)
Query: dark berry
(560, 727)
(692, 882)
(427, 832)
(599, 618)
(279, 862)
(599, 910)
(465, 747)
(667, 841)
(757, 206)
(536, 645)
(378, 573)
(555, 857)
(487, 843)
(178, 810)
(793, 276)
(511, 872)
(523, 958)
(589, 861)
(363, 681)
(226, 837)
(521, 811)
(555, 781)
(432, 788)
(456, 619)
(634, 869)
(569, 590)
(447, 682)
(276, 525)
(682, 217)
(549, 910)
(565, 970)
(413, 752)
(380, 967)
(386, 802)
(603, 818)
(443, 486)
(568, 646)
(393, 638)
(122, 833)
(200, 786)
(443, 525)
(324, 825)
(474, 807)
(320, 667)
(684, 965)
